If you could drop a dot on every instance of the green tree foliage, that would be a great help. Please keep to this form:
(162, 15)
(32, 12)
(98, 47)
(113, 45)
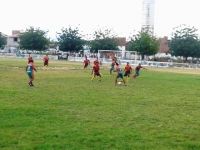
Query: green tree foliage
(144, 43)
(70, 40)
(185, 42)
(104, 39)
(3, 41)
(34, 39)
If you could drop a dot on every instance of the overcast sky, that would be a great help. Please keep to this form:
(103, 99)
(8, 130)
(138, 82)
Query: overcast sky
(123, 16)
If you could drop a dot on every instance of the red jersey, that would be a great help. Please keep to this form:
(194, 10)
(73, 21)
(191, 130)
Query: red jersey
(113, 63)
(138, 68)
(86, 61)
(128, 68)
(46, 58)
(96, 69)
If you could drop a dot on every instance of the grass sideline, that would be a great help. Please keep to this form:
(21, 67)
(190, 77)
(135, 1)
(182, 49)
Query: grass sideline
(158, 110)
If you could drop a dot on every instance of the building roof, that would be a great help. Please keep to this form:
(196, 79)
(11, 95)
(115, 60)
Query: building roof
(14, 36)
(15, 33)
(122, 41)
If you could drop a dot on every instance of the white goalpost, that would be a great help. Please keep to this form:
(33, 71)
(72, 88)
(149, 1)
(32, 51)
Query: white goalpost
(106, 56)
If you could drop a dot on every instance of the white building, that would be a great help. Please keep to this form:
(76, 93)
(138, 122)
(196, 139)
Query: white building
(12, 40)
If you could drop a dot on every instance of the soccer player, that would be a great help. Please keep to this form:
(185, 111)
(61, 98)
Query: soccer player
(29, 69)
(29, 58)
(46, 62)
(96, 61)
(112, 66)
(96, 71)
(128, 71)
(86, 63)
(119, 74)
(137, 70)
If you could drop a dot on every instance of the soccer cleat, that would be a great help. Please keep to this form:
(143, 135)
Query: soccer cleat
(29, 84)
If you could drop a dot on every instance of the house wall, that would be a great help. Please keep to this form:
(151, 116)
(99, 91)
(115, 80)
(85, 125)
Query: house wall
(11, 42)
(164, 45)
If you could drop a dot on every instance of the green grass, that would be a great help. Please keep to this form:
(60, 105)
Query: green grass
(159, 110)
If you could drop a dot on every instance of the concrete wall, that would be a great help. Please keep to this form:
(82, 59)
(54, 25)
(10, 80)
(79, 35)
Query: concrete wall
(11, 42)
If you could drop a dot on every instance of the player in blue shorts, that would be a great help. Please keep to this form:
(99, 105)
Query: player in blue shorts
(137, 70)
(119, 74)
(29, 69)
(112, 67)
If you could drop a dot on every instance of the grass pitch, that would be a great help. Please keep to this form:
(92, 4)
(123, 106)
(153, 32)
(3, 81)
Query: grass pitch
(65, 110)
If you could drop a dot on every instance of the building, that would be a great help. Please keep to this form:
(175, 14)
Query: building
(163, 48)
(12, 40)
(121, 41)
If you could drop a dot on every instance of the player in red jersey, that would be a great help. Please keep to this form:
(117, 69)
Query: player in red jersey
(96, 71)
(29, 58)
(29, 69)
(86, 63)
(137, 70)
(46, 61)
(96, 61)
(128, 71)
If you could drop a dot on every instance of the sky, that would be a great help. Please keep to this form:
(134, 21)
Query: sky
(124, 17)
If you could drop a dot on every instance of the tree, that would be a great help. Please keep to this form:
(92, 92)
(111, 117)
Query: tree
(70, 40)
(144, 43)
(3, 41)
(34, 39)
(185, 42)
(104, 40)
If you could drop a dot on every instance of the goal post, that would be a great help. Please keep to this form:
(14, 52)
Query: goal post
(106, 56)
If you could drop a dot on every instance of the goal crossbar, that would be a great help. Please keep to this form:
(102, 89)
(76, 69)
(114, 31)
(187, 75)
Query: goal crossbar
(117, 53)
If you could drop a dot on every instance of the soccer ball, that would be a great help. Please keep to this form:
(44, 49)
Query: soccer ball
(119, 82)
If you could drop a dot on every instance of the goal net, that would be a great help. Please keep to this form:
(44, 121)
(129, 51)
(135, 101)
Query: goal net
(106, 56)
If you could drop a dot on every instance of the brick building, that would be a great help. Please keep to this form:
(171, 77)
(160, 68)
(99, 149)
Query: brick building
(122, 41)
(163, 48)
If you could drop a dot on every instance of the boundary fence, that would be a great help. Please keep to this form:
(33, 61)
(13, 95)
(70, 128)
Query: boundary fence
(144, 63)
(34, 56)
(108, 61)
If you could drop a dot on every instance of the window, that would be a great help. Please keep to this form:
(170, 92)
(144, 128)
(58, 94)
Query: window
(15, 39)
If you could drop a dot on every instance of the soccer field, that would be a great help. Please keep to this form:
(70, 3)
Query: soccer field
(65, 110)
